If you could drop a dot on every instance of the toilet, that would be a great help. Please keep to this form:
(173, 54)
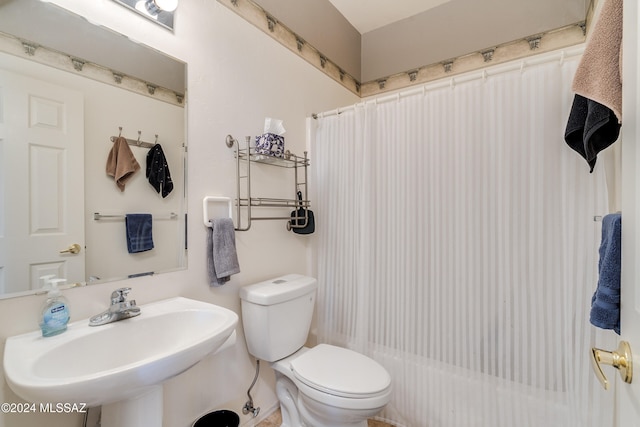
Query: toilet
(322, 386)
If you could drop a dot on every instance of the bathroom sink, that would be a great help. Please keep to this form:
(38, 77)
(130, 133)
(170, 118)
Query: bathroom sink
(120, 360)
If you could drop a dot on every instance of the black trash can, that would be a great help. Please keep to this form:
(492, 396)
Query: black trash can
(221, 418)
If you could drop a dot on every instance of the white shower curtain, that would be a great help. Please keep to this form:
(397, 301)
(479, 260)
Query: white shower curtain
(457, 246)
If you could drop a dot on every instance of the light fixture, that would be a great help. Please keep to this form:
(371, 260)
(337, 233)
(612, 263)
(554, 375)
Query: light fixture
(159, 11)
(156, 6)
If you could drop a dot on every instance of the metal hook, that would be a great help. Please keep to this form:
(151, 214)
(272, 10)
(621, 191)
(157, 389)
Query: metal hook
(156, 138)
(119, 131)
(139, 134)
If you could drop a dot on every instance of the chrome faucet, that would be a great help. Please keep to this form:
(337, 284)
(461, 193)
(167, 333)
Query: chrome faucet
(120, 309)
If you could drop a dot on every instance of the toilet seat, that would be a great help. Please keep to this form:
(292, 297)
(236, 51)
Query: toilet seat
(341, 372)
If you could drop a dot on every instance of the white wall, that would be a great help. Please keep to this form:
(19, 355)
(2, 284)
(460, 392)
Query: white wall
(237, 76)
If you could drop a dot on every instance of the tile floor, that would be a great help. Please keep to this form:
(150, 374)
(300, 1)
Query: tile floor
(275, 419)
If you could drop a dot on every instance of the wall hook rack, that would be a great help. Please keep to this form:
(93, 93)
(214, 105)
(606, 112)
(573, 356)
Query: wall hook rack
(135, 142)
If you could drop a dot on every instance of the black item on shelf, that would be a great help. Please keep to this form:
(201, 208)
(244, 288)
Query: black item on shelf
(298, 219)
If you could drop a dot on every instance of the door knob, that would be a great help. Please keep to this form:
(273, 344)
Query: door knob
(73, 249)
(620, 359)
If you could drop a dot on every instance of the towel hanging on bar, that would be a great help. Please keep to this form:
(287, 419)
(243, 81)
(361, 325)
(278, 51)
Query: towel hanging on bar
(97, 216)
(139, 229)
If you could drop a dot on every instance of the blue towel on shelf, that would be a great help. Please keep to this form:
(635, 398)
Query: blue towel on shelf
(139, 232)
(605, 304)
(222, 259)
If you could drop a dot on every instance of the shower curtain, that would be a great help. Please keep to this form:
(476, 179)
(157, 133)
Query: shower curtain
(457, 246)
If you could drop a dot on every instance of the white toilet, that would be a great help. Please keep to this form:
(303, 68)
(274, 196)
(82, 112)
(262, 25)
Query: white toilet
(323, 386)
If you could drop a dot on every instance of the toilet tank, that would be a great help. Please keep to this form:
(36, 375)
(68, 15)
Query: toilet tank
(276, 315)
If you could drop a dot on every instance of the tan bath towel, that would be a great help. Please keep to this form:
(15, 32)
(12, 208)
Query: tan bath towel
(121, 163)
(599, 74)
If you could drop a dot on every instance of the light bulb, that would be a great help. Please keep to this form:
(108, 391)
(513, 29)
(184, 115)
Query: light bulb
(155, 6)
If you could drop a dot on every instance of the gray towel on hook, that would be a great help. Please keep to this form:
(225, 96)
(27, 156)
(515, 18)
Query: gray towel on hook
(222, 259)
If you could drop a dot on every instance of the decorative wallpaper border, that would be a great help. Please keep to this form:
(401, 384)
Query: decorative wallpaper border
(518, 49)
(43, 55)
(264, 21)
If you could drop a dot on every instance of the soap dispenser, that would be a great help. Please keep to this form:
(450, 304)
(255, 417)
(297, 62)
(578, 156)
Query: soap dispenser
(55, 313)
(46, 281)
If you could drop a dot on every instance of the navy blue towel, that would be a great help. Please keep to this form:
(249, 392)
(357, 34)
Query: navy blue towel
(605, 304)
(139, 232)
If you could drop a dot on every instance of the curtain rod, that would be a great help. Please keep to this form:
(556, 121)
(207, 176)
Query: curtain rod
(521, 64)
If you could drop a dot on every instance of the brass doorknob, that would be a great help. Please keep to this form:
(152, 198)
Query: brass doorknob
(73, 249)
(620, 359)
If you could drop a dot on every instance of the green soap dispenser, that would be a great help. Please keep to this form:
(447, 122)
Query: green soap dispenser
(55, 312)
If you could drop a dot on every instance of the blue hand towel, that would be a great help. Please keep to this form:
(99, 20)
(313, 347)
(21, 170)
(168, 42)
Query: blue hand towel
(605, 304)
(139, 232)
(222, 259)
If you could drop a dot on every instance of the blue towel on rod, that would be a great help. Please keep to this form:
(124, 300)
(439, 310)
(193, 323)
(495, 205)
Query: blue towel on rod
(605, 303)
(139, 232)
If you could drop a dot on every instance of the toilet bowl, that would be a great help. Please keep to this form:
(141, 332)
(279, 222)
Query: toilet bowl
(330, 386)
(322, 386)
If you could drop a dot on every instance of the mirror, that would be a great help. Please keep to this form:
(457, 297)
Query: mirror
(67, 88)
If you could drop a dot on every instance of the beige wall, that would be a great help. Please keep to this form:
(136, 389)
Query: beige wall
(453, 29)
(460, 27)
(321, 25)
(237, 77)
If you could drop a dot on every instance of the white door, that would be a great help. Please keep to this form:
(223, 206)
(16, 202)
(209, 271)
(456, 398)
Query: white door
(628, 395)
(41, 182)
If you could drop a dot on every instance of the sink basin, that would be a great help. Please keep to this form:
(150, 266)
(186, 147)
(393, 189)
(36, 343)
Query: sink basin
(120, 360)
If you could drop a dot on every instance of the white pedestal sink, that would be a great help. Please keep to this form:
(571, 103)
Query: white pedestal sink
(121, 365)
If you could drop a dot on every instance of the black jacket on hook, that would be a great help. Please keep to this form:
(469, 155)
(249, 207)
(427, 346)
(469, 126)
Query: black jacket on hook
(158, 171)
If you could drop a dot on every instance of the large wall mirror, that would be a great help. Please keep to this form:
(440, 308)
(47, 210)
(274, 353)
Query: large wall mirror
(67, 89)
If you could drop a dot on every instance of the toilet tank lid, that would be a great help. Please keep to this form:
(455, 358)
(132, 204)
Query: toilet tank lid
(279, 289)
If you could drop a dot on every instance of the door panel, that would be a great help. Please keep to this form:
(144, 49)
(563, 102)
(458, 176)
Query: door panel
(628, 395)
(42, 156)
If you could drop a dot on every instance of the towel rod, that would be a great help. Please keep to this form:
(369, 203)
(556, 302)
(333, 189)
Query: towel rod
(97, 216)
(206, 215)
